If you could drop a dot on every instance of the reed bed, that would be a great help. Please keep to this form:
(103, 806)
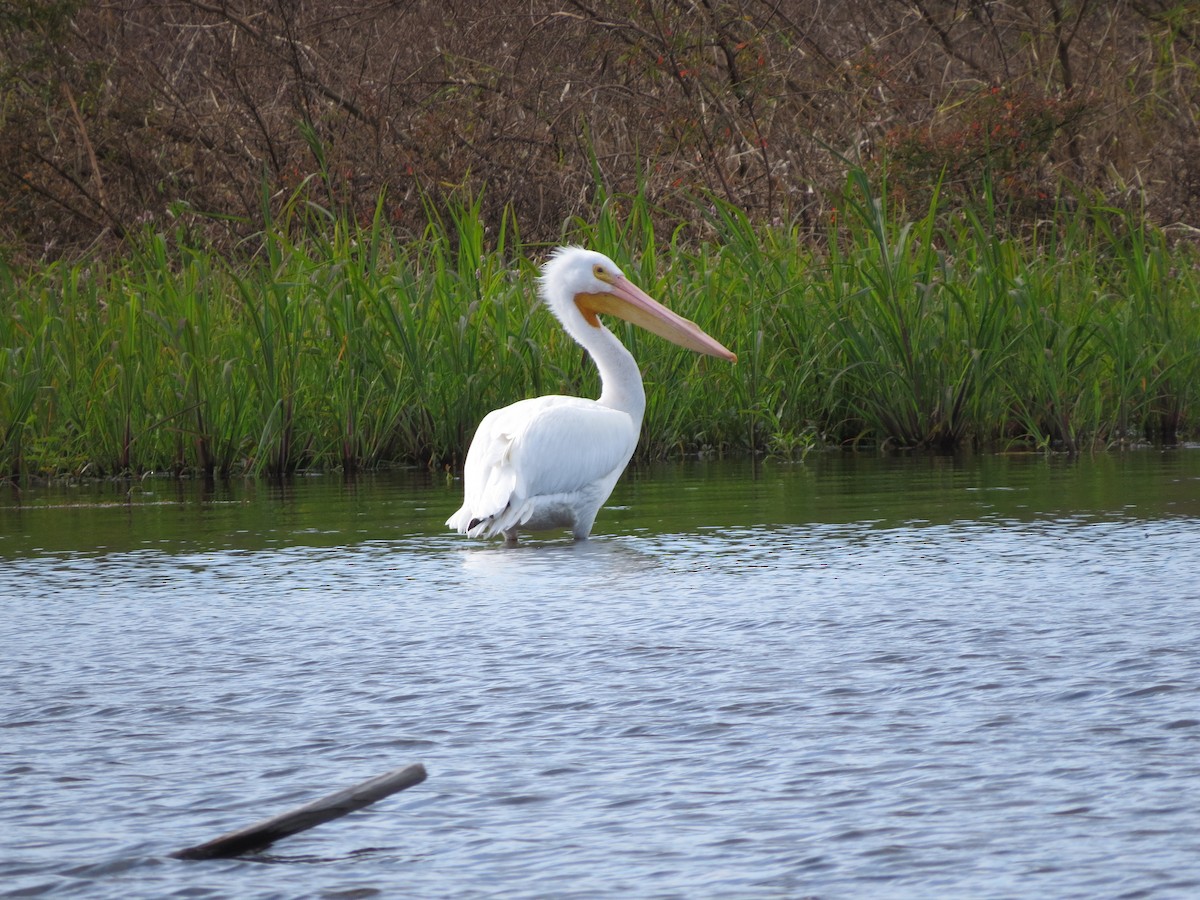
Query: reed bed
(333, 344)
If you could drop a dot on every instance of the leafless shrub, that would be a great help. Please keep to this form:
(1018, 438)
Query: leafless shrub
(206, 114)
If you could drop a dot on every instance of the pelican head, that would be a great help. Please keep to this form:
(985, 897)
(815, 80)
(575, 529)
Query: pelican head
(579, 285)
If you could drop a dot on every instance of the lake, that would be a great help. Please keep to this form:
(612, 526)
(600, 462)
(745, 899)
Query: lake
(852, 676)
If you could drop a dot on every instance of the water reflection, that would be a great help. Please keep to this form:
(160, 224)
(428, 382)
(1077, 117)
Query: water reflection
(678, 498)
(563, 559)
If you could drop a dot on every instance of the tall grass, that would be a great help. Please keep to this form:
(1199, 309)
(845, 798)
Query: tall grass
(903, 335)
(331, 343)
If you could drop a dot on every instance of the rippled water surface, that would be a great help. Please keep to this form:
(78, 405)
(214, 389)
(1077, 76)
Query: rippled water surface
(844, 678)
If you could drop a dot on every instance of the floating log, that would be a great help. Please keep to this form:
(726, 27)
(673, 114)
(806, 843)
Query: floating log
(262, 834)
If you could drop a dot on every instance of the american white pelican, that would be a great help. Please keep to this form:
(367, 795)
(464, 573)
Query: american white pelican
(550, 462)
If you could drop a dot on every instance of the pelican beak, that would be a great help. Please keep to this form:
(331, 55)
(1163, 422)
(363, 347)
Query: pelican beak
(631, 303)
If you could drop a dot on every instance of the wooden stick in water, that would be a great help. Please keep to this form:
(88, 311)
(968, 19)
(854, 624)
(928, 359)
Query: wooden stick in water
(262, 834)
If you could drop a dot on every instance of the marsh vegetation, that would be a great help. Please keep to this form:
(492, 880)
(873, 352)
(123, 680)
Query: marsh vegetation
(260, 240)
(340, 345)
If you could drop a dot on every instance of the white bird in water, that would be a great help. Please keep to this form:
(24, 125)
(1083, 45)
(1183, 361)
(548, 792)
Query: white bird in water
(550, 462)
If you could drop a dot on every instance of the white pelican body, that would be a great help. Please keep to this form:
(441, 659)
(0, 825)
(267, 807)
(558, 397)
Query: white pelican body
(551, 462)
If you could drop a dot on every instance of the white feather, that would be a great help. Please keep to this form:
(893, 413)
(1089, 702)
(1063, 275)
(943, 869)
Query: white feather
(507, 484)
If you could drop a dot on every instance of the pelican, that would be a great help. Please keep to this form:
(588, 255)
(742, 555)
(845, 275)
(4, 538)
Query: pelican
(550, 462)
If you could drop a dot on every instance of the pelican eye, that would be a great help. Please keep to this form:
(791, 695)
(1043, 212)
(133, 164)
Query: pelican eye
(601, 274)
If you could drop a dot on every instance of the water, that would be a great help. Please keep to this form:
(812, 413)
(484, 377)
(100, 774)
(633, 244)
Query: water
(851, 677)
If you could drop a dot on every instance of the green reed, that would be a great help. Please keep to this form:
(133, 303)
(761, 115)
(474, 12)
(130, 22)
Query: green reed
(901, 335)
(23, 367)
(334, 344)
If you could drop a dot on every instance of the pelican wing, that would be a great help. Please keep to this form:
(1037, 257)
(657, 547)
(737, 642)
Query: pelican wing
(544, 453)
